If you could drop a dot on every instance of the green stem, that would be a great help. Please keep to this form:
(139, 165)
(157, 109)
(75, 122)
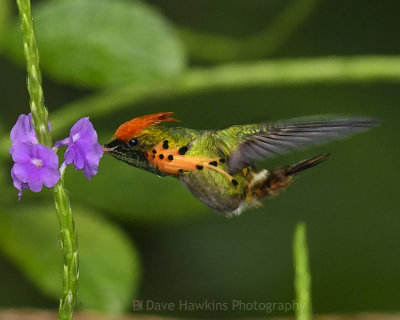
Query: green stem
(274, 73)
(302, 274)
(278, 73)
(70, 251)
(34, 78)
(5, 14)
(40, 121)
(211, 47)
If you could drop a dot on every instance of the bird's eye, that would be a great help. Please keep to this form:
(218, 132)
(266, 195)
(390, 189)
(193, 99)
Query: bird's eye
(133, 142)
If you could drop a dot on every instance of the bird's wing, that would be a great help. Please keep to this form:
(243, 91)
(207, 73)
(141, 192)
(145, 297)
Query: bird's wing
(246, 144)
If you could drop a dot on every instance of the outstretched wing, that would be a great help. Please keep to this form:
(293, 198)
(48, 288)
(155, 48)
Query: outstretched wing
(254, 142)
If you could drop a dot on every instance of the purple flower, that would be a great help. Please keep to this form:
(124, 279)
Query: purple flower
(18, 184)
(23, 131)
(83, 149)
(35, 165)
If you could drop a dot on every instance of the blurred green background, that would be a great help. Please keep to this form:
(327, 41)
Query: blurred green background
(147, 238)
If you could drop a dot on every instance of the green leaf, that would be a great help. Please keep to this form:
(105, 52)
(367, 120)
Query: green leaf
(109, 267)
(104, 42)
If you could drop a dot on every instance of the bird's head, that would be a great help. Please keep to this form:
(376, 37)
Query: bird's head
(134, 138)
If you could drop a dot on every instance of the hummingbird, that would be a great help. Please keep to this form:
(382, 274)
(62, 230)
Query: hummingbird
(219, 166)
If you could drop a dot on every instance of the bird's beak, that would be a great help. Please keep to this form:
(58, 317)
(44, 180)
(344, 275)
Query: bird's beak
(107, 150)
(112, 146)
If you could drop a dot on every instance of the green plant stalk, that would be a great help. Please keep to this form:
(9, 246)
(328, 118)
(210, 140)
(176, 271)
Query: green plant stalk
(278, 73)
(302, 282)
(5, 14)
(40, 122)
(211, 47)
(274, 73)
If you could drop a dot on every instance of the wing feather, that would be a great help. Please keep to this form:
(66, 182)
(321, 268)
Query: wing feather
(266, 140)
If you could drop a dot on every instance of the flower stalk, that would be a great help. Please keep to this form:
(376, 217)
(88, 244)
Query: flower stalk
(40, 122)
(302, 274)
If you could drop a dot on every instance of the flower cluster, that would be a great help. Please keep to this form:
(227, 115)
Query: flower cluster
(36, 165)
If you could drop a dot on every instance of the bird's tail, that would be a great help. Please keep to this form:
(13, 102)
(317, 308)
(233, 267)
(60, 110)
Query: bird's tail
(278, 179)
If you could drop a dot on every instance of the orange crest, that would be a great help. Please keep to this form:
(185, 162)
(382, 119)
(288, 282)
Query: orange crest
(130, 128)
